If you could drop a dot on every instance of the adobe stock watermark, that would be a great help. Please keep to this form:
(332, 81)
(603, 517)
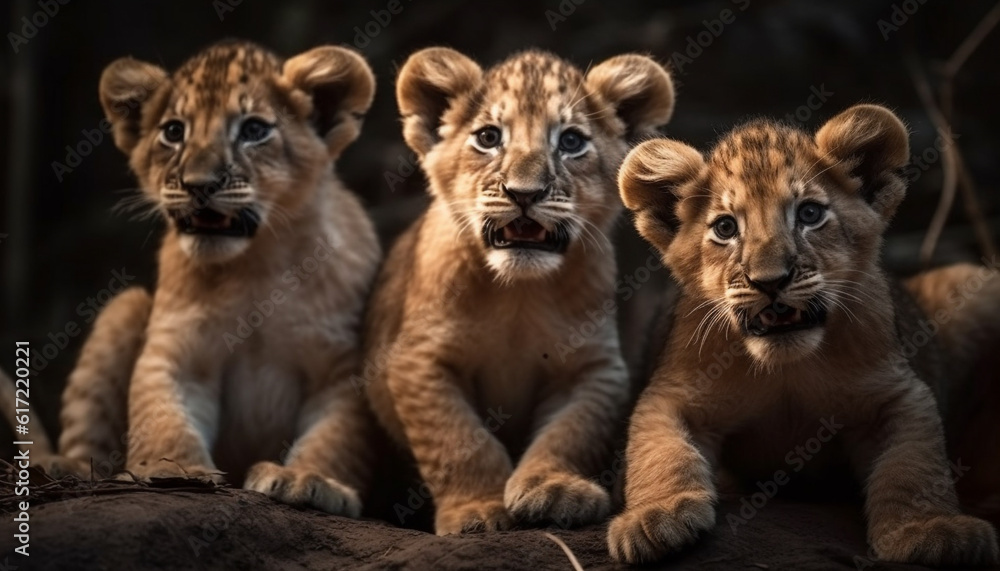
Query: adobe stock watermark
(91, 138)
(930, 326)
(564, 10)
(30, 25)
(596, 318)
(796, 459)
(224, 7)
(898, 17)
(921, 163)
(405, 167)
(293, 279)
(214, 525)
(818, 97)
(363, 35)
(76, 152)
(87, 310)
(697, 44)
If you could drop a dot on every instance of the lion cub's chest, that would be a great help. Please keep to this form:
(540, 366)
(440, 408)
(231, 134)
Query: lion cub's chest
(512, 363)
(265, 374)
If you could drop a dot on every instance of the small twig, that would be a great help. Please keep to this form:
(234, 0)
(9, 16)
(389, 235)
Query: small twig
(953, 165)
(948, 164)
(974, 211)
(970, 197)
(969, 45)
(569, 553)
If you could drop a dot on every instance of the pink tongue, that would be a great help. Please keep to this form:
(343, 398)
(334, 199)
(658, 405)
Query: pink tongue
(770, 317)
(524, 232)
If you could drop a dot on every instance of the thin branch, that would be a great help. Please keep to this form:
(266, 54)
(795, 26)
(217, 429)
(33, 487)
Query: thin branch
(973, 209)
(949, 162)
(969, 45)
(967, 186)
(569, 552)
(956, 172)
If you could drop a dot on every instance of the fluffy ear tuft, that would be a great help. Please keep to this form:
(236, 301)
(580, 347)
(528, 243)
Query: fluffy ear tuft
(341, 86)
(639, 89)
(651, 181)
(428, 83)
(873, 144)
(125, 85)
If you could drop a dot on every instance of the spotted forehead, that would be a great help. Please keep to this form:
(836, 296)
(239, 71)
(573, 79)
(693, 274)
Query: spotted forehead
(763, 159)
(209, 79)
(535, 84)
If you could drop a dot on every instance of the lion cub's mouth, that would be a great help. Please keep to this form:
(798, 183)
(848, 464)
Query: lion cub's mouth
(523, 232)
(779, 318)
(208, 222)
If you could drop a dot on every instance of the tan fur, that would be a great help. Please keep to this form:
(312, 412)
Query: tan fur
(776, 391)
(459, 330)
(94, 413)
(964, 300)
(208, 391)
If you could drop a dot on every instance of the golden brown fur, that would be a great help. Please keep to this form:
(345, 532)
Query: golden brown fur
(239, 362)
(736, 383)
(463, 337)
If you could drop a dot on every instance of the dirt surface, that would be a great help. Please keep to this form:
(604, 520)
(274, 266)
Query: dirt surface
(184, 526)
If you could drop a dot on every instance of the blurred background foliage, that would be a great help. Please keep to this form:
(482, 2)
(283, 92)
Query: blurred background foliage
(764, 58)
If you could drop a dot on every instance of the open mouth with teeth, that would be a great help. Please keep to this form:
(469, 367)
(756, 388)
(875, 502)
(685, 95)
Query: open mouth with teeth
(208, 222)
(523, 232)
(779, 318)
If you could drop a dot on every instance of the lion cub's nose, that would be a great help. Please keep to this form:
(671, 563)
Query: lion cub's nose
(526, 197)
(203, 186)
(771, 285)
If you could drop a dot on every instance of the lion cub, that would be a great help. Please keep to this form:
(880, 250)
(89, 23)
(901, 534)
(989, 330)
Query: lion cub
(786, 323)
(243, 352)
(511, 255)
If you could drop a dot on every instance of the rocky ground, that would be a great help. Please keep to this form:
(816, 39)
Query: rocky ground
(188, 525)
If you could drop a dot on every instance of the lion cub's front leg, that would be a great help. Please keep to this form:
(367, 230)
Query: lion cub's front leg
(173, 410)
(463, 464)
(669, 493)
(94, 414)
(913, 513)
(550, 483)
(329, 464)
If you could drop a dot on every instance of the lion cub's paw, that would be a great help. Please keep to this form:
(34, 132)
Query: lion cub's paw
(62, 466)
(941, 541)
(648, 534)
(303, 488)
(163, 469)
(566, 499)
(471, 516)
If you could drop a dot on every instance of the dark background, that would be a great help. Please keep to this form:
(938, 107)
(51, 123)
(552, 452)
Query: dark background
(63, 239)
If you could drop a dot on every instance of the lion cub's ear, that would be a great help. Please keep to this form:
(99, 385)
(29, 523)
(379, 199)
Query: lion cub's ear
(341, 86)
(873, 144)
(652, 179)
(428, 84)
(125, 85)
(638, 88)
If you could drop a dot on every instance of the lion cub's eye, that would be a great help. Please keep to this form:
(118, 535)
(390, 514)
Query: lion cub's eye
(488, 138)
(571, 142)
(725, 227)
(254, 131)
(172, 132)
(810, 213)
